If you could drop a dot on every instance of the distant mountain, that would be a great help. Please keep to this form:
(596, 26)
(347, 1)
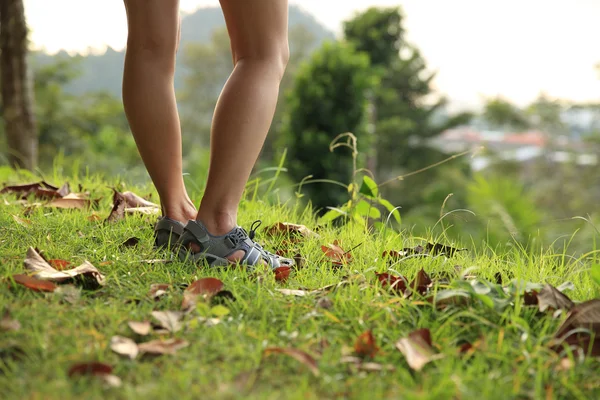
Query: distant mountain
(104, 72)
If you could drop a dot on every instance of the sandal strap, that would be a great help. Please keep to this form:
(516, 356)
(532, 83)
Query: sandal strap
(168, 224)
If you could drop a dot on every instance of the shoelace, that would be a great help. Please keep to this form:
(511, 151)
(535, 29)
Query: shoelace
(253, 229)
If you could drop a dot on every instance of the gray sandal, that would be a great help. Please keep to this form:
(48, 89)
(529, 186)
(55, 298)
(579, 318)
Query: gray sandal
(166, 233)
(215, 249)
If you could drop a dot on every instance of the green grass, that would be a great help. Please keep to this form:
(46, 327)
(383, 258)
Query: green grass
(513, 361)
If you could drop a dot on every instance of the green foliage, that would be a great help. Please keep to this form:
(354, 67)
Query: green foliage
(501, 114)
(504, 208)
(328, 99)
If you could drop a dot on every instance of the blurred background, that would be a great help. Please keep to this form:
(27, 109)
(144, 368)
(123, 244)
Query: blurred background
(504, 95)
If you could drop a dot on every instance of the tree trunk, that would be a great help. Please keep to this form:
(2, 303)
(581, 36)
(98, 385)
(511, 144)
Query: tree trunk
(17, 96)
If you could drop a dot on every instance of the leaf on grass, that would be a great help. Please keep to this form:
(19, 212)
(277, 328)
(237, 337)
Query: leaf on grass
(158, 289)
(395, 283)
(118, 211)
(21, 221)
(33, 283)
(550, 298)
(417, 348)
(282, 273)
(204, 288)
(90, 368)
(143, 210)
(141, 328)
(582, 324)
(421, 282)
(295, 292)
(133, 201)
(27, 189)
(43, 270)
(7, 323)
(96, 369)
(298, 355)
(59, 265)
(159, 346)
(365, 345)
(169, 320)
(94, 217)
(336, 253)
(295, 231)
(70, 202)
(325, 303)
(530, 298)
(131, 242)
(437, 249)
(124, 346)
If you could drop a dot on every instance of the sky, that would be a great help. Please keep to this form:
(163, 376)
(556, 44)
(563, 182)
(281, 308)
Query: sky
(516, 49)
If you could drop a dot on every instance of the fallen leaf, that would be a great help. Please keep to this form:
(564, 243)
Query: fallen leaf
(295, 292)
(131, 242)
(565, 364)
(7, 323)
(141, 328)
(64, 190)
(34, 284)
(158, 289)
(582, 324)
(437, 248)
(398, 255)
(124, 346)
(59, 265)
(159, 346)
(70, 203)
(336, 253)
(421, 282)
(134, 201)
(222, 297)
(550, 298)
(293, 230)
(204, 288)
(530, 298)
(90, 368)
(417, 348)
(43, 270)
(27, 189)
(21, 221)
(365, 345)
(118, 211)
(143, 210)
(395, 283)
(298, 355)
(282, 273)
(170, 320)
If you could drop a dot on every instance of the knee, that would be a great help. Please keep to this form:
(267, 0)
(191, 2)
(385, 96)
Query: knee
(154, 48)
(276, 58)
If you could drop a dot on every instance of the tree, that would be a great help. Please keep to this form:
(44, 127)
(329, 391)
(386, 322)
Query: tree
(405, 108)
(17, 98)
(501, 114)
(328, 98)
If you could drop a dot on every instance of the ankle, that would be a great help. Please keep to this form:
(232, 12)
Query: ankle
(218, 223)
(181, 212)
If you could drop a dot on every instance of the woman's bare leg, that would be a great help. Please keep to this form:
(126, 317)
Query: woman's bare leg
(245, 109)
(149, 99)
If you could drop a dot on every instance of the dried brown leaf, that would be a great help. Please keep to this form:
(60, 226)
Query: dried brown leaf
(159, 346)
(124, 346)
(33, 283)
(169, 320)
(437, 249)
(582, 324)
(365, 345)
(417, 348)
(550, 298)
(394, 283)
(143, 210)
(298, 355)
(90, 368)
(336, 253)
(27, 189)
(282, 273)
(70, 203)
(59, 265)
(118, 211)
(133, 201)
(43, 270)
(421, 282)
(131, 242)
(158, 289)
(23, 222)
(141, 328)
(293, 230)
(202, 288)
